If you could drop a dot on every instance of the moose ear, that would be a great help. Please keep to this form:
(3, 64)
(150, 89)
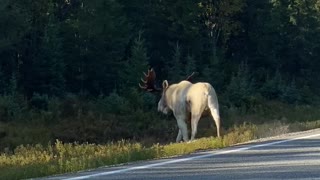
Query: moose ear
(165, 84)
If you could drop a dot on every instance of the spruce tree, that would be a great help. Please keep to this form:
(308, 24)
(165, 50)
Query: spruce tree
(190, 65)
(97, 35)
(174, 67)
(136, 64)
(49, 66)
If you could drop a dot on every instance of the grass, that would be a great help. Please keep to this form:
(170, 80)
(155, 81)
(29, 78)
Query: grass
(44, 159)
(36, 161)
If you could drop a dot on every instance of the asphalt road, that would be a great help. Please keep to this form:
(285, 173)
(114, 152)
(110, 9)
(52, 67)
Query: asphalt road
(291, 156)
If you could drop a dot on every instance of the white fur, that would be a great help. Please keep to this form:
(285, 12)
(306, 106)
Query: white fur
(186, 100)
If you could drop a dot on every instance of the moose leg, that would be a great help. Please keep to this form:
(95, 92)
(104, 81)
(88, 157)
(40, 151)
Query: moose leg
(183, 128)
(194, 125)
(179, 136)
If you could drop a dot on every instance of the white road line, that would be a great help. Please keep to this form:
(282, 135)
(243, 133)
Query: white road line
(214, 153)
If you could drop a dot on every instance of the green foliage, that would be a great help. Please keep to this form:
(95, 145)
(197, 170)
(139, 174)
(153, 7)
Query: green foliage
(16, 134)
(28, 161)
(307, 96)
(273, 87)
(291, 94)
(149, 100)
(12, 107)
(238, 134)
(113, 103)
(190, 65)
(70, 70)
(240, 91)
(34, 161)
(219, 22)
(89, 47)
(96, 34)
(39, 102)
(47, 65)
(276, 88)
(3, 85)
(136, 64)
(14, 24)
(13, 85)
(175, 68)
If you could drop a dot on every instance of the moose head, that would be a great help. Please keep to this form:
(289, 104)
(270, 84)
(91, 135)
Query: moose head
(185, 100)
(150, 86)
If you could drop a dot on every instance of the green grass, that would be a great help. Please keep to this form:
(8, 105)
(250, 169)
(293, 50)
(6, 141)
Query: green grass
(36, 161)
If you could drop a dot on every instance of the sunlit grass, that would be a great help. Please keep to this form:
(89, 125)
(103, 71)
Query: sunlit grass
(36, 161)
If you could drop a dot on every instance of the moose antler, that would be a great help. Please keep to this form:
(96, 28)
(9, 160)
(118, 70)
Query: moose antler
(189, 78)
(150, 77)
(149, 81)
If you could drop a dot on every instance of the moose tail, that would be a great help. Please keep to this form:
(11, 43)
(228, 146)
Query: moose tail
(214, 107)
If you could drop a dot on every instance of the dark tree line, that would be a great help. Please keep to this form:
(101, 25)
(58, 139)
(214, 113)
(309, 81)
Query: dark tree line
(97, 49)
(81, 46)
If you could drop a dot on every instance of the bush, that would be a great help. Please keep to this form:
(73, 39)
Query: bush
(290, 94)
(113, 103)
(239, 134)
(273, 87)
(277, 88)
(240, 91)
(39, 101)
(12, 107)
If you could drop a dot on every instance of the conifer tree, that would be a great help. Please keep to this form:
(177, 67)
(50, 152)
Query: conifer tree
(136, 64)
(174, 66)
(190, 65)
(49, 66)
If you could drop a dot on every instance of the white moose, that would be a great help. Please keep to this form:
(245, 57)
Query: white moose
(185, 100)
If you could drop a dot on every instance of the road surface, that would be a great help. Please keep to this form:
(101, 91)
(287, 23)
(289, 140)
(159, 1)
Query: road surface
(290, 156)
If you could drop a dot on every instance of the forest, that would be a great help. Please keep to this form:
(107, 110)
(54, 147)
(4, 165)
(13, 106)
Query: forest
(69, 69)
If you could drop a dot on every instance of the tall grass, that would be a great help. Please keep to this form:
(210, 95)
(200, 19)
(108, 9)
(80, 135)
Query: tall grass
(36, 161)
(61, 156)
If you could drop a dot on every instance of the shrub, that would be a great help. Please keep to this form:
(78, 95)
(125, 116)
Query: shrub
(113, 103)
(240, 91)
(39, 101)
(290, 94)
(12, 107)
(273, 87)
(239, 134)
